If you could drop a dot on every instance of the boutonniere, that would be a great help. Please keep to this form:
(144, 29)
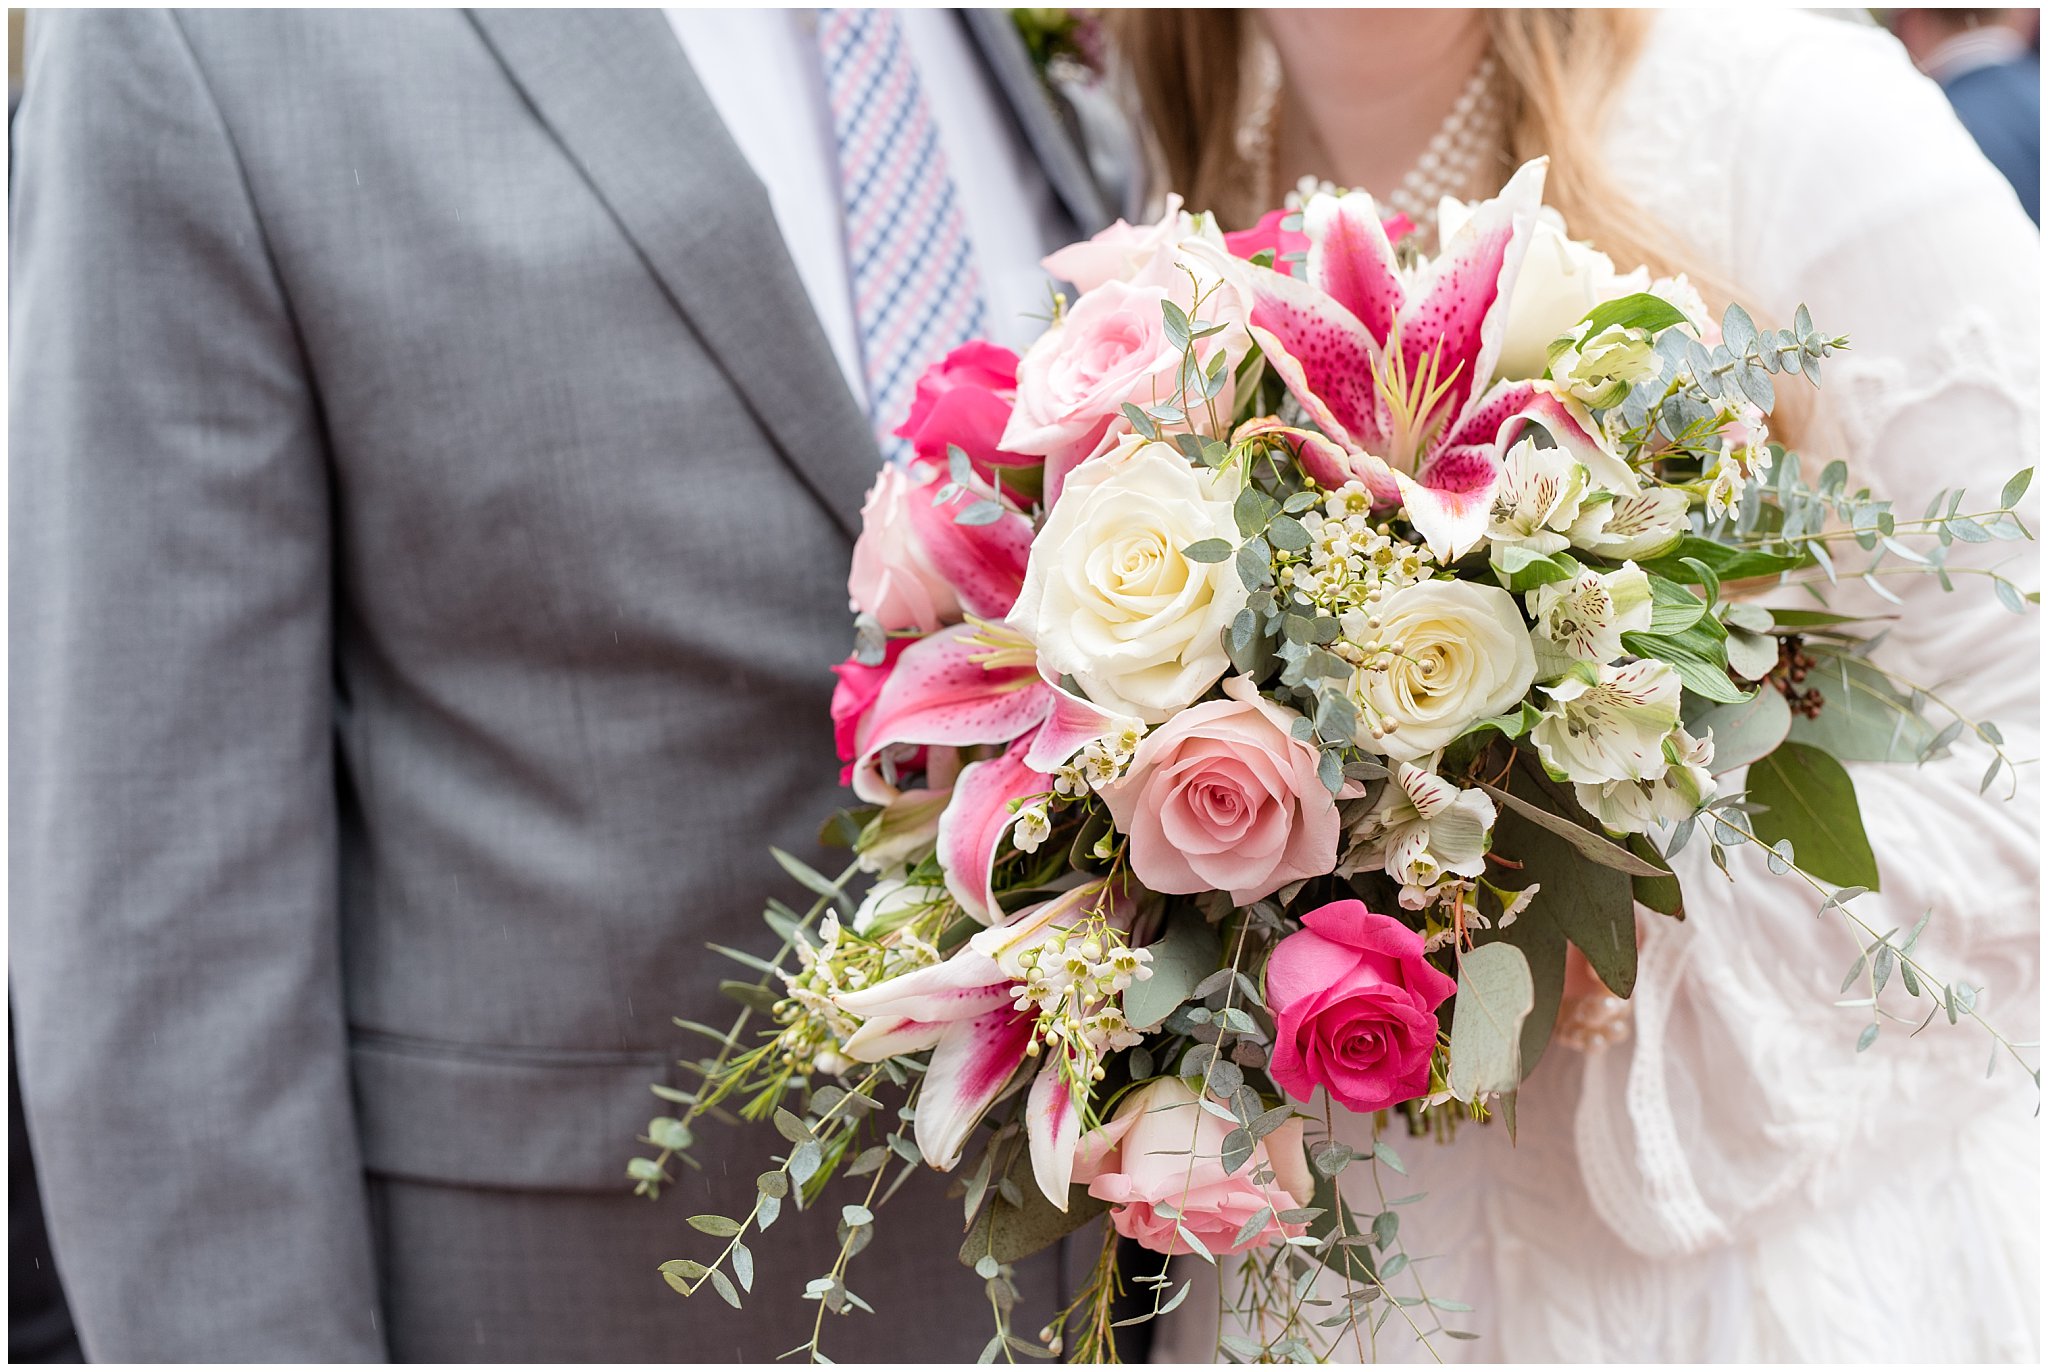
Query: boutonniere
(1066, 45)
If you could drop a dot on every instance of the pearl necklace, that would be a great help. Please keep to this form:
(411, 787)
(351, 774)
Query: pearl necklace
(1474, 131)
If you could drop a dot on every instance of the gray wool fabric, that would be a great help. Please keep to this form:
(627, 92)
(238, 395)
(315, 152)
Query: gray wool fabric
(432, 497)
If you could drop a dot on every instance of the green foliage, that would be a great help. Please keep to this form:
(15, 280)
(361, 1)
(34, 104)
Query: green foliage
(1743, 731)
(1185, 954)
(1812, 803)
(1495, 995)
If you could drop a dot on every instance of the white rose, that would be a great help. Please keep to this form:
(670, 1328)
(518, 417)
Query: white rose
(1444, 654)
(1560, 280)
(1109, 597)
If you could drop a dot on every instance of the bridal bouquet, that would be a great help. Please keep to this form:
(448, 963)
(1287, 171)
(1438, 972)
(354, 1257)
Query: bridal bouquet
(1258, 687)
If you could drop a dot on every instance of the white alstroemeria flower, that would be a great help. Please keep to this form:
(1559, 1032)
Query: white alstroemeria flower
(1633, 807)
(1601, 369)
(1612, 729)
(1583, 619)
(1426, 828)
(1538, 499)
(1644, 524)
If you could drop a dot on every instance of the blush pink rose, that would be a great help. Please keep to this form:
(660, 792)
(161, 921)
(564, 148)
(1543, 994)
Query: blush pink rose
(1072, 383)
(1223, 797)
(854, 695)
(964, 399)
(1354, 1002)
(915, 566)
(1139, 1161)
(1120, 251)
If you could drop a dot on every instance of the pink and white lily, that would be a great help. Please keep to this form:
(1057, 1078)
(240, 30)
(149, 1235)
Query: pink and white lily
(973, 685)
(967, 1012)
(1397, 365)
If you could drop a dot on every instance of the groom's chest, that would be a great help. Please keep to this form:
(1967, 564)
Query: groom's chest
(521, 414)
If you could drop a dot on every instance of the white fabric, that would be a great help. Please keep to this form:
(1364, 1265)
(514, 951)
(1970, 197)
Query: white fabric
(1733, 1181)
(760, 68)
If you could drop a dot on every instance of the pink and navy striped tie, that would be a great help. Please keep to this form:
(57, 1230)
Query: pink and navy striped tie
(916, 293)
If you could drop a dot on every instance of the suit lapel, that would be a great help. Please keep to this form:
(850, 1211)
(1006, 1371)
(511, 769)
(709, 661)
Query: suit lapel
(1016, 76)
(614, 88)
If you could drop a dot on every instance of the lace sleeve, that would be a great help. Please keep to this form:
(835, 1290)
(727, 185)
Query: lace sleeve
(1740, 1103)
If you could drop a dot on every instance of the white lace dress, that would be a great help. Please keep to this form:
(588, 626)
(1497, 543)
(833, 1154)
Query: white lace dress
(1733, 1181)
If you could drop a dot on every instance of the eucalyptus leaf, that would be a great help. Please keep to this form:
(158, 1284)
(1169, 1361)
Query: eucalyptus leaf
(1813, 803)
(1495, 995)
(1181, 957)
(1742, 732)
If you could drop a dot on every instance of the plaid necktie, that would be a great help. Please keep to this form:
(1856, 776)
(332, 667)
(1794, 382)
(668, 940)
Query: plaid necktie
(916, 293)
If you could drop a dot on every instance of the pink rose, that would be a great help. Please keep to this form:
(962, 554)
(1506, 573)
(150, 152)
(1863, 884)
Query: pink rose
(965, 399)
(1139, 1162)
(1120, 251)
(1267, 235)
(1223, 797)
(852, 698)
(1354, 1002)
(1072, 383)
(915, 566)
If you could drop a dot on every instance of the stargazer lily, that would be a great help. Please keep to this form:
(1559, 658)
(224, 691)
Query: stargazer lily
(1396, 365)
(968, 1012)
(971, 685)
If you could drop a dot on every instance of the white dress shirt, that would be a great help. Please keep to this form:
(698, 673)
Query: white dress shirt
(762, 72)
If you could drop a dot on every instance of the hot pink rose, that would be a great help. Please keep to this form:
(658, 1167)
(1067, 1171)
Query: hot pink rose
(1354, 1002)
(1267, 235)
(1139, 1162)
(915, 566)
(1223, 797)
(965, 399)
(854, 696)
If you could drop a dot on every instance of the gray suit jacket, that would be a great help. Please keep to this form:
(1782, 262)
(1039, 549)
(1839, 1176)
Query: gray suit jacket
(431, 503)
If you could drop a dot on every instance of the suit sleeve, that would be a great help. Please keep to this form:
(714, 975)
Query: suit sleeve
(175, 946)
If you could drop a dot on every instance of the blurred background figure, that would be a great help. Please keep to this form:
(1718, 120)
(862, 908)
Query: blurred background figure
(1988, 63)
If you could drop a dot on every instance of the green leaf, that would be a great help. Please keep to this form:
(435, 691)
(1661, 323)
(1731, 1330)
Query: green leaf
(1663, 894)
(1673, 609)
(1696, 655)
(1589, 844)
(1253, 511)
(1521, 570)
(717, 1226)
(1752, 655)
(1863, 717)
(1742, 732)
(1209, 550)
(807, 876)
(1727, 563)
(1591, 904)
(722, 1284)
(743, 1265)
(1495, 995)
(1181, 957)
(1813, 803)
(2015, 487)
(1639, 311)
(1010, 1233)
(1543, 946)
(1353, 1262)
